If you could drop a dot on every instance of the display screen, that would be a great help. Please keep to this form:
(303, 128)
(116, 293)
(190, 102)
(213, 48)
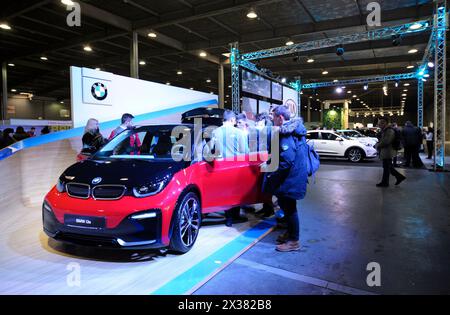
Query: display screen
(277, 91)
(255, 84)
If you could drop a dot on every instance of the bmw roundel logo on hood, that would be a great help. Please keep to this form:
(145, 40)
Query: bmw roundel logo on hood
(96, 180)
(99, 91)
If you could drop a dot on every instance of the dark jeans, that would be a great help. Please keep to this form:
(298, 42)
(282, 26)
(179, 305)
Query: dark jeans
(412, 153)
(430, 147)
(388, 168)
(289, 207)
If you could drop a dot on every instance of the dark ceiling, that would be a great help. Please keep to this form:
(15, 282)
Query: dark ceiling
(186, 27)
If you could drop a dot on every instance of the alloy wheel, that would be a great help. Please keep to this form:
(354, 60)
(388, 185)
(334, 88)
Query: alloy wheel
(189, 221)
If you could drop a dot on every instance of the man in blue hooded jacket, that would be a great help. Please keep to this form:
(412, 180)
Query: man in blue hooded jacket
(288, 183)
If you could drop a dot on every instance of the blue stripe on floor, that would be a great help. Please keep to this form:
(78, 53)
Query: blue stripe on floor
(198, 273)
(78, 132)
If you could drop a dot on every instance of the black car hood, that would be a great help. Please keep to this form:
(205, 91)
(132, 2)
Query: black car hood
(128, 172)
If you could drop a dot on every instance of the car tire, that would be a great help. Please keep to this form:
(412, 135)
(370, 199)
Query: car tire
(355, 155)
(186, 223)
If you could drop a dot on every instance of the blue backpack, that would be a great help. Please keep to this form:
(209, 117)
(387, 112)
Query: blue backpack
(312, 160)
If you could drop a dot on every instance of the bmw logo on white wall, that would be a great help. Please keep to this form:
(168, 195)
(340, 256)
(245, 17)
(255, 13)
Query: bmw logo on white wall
(99, 91)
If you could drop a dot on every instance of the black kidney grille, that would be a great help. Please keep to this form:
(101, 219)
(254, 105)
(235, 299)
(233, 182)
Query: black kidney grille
(78, 190)
(108, 191)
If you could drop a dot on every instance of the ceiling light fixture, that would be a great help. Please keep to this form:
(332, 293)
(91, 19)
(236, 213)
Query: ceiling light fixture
(310, 60)
(152, 35)
(67, 2)
(252, 14)
(44, 58)
(289, 42)
(202, 54)
(179, 72)
(325, 72)
(11, 64)
(13, 90)
(142, 63)
(412, 51)
(87, 48)
(5, 26)
(410, 67)
(431, 64)
(208, 80)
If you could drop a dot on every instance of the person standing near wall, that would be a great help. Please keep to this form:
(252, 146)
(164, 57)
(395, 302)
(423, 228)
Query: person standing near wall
(126, 124)
(92, 138)
(429, 137)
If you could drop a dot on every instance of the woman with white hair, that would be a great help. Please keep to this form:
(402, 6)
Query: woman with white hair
(92, 138)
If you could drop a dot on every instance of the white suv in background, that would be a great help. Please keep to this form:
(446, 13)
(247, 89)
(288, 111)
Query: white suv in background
(356, 135)
(329, 143)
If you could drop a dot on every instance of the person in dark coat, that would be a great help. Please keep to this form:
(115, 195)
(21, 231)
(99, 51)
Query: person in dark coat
(412, 138)
(20, 134)
(387, 152)
(289, 181)
(8, 137)
(92, 138)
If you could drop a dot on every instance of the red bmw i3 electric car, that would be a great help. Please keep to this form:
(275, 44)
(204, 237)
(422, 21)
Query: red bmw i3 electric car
(151, 196)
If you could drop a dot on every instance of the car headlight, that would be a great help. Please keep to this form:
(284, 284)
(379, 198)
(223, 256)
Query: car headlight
(150, 189)
(60, 186)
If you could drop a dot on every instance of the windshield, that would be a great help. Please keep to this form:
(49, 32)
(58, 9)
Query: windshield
(352, 133)
(148, 144)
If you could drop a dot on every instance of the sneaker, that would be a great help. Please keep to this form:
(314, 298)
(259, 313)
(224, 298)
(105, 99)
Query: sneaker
(288, 246)
(282, 238)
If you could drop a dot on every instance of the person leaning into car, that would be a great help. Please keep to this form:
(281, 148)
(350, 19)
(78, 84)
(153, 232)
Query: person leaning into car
(228, 142)
(126, 124)
(288, 183)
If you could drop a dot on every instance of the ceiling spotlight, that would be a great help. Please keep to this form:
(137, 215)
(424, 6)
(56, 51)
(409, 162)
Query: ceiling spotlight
(5, 26)
(355, 96)
(252, 14)
(335, 81)
(349, 92)
(229, 86)
(11, 64)
(44, 58)
(202, 54)
(152, 35)
(142, 63)
(339, 90)
(405, 90)
(179, 72)
(283, 80)
(412, 51)
(404, 95)
(98, 69)
(366, 87)
(385, 89)
(289, 42)
(208, 80)
(396, 83)
(340, 50)
(67, 2)
(431, 65)
(410, 67)
(167, 83)
(325, 72)
(87, 48)
(426, 75)
(13, 90)
(62, 102)
(424, 80)
(415, 26)
(191, 88)
(310, 60)
(406, 84)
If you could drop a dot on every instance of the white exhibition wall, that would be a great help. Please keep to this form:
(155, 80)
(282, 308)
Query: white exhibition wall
(117, 94)
(290, 99)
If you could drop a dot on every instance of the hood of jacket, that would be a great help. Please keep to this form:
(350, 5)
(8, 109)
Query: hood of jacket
(293, 127)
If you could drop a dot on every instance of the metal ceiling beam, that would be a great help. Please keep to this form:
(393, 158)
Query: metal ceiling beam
(341, 63)
(312, 29)
(224, 26)
(17, 8)
(184, 16)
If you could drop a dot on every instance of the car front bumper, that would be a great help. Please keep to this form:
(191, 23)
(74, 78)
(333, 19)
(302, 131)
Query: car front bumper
(129, 234)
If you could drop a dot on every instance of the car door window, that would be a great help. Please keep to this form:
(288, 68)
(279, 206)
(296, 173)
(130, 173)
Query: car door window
(328, 136)
(312, 136)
